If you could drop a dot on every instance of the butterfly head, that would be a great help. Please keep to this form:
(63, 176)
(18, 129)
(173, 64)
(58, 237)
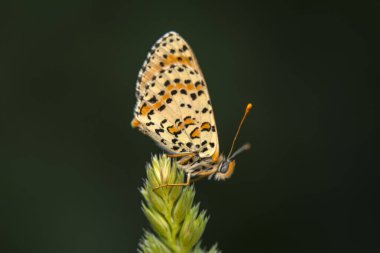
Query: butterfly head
(225, 169)
(226, 166)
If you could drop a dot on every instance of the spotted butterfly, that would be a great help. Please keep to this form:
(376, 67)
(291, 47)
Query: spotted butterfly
(174, 108)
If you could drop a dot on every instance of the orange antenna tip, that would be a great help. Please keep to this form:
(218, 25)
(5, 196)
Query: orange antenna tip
(249, 107)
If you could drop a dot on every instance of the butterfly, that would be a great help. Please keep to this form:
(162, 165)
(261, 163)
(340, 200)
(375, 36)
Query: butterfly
(174, 109)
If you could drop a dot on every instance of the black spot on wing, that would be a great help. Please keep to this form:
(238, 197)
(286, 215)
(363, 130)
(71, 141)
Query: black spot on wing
(193, 96)
(153, 100)
(162, 107)
(159, 131)
(150, 113)
(163, 122)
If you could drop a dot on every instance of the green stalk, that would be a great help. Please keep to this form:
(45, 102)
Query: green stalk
(176, 221)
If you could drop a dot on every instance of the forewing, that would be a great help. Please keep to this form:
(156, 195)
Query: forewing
(173, 104)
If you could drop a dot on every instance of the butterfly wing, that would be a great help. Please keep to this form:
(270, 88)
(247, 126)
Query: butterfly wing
(173, 105)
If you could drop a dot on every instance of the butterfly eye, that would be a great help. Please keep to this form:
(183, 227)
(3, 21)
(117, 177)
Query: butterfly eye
(224, 166)
(226, 169)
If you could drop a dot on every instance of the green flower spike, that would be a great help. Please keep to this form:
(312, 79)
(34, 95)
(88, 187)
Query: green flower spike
(177, 222)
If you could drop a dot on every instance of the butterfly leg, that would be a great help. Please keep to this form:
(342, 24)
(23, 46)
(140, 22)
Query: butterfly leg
(178, 184)
(180, 155)
(186, 159)
(203, 174)
(200, 175)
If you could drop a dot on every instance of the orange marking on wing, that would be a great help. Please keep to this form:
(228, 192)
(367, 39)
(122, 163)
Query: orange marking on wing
(190, 86)
(199, 87)
(205, 126)
(135, 123)
(174, 59)
(182, 125)
(189, 121)
(195, 133)
(157, 105)
(164, 97)
(145, 109)
(215, 156)
(181, 86)
(170, 87)
(174, 129)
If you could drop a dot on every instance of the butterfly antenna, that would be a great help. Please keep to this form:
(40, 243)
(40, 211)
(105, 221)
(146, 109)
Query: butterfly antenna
(249, 107)
(241, 149)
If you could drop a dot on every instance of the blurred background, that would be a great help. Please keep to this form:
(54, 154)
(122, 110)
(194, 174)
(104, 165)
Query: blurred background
(71, 165)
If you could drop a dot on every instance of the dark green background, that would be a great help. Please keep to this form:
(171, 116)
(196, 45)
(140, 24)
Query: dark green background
(71, 165)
